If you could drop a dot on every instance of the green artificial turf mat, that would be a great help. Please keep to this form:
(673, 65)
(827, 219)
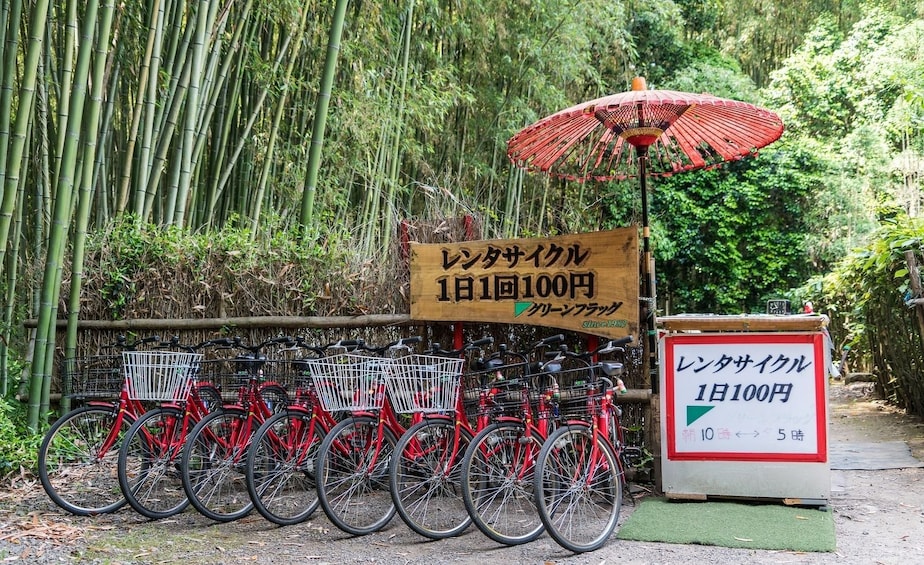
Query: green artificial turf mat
(731, 524)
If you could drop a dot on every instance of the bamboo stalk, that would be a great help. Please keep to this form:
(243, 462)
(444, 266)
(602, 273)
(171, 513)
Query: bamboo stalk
(277, 120)
(26, 99)
(154, 11)
(148, 96)
(40, 381)
(64, 82)
(176, 210)
(85, 194)
(10, 15)
(307, 219)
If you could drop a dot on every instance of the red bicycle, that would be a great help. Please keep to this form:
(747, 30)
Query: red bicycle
(150, 456)
(580, 473)
(281, 463)
(353, 460)
(78, 457)
(425, 473)
(498, 466)
(213, 464)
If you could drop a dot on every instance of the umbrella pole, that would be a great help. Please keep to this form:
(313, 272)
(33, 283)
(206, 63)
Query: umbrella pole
(648, 289)
(648, 285)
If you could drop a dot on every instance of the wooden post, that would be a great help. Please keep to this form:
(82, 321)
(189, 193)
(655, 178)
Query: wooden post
(914, 274)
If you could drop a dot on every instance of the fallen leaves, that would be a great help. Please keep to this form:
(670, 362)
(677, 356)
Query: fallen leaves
(47, 527)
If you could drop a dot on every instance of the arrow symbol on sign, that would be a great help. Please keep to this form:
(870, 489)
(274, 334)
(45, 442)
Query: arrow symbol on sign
(520, 307)
(752, 434)
(694, 413)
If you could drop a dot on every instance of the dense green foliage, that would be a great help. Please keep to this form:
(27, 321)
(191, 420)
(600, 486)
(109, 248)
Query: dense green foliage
(744, 222)
(855, 101)
(868, 297)
(18, 447)
(142, 271)
(196, 118)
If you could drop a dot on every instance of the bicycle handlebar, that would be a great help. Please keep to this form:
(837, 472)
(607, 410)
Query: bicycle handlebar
(551, 340)
(174, 343)
(614, 346)
(607, 347)
(403, 343)
(122, 342)
(469, 346)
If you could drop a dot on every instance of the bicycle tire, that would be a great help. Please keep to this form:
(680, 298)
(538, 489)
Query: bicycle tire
(579, 497)
(149, 462)
(209, 396)
(274, 396)
(213, 465)
(74, 473)
(427, 498)
(356, 501)
(497, 483)
(281, 467)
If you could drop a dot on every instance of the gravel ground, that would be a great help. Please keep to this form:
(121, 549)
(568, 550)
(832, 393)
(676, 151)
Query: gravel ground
(879, 518)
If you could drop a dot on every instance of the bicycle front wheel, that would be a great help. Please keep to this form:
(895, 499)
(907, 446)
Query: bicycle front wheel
(281, 467)
(213, 465)
(426, 478)
(578, 485)
(353, 463)
(149, 462)
(497, 483)
(78, 460)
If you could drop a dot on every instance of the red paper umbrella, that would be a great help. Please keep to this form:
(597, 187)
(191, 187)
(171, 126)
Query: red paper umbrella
(670, 131)
(677, 131)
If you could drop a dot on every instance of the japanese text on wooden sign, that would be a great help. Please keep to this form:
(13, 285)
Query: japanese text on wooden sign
(745, 397)
(586, 282)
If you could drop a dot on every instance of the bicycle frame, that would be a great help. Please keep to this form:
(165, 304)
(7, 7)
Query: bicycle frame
(385, 417)
(226, 438)
(193, 410)
(603, 416)
(538, 426)
(318, 417)
(126, 407)
(461, 422)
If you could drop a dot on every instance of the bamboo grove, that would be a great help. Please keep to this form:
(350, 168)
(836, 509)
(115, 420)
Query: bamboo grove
(318, 117)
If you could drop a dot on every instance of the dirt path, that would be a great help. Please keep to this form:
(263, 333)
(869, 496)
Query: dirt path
(879, 518)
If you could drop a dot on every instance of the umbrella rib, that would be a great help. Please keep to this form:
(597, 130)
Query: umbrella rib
(584, 142)
(547, 151)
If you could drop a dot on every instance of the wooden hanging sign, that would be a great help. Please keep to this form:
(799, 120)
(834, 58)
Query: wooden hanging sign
(584, 282)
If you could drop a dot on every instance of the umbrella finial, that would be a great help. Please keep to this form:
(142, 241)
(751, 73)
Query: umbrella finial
(638, 83)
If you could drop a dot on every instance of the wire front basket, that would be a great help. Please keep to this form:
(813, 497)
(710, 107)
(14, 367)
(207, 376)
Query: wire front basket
(233, 374)
(159, 376)
(495, 391)
(580, 392)
(349, 382)
(424, 383)
(95, 376)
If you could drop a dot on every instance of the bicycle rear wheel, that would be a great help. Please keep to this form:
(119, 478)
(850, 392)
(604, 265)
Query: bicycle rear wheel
(78, 460)
(497, 483)
(578, 485)
(209, 396)
(149, 463)
(213, 465)
(426, 478)
(281, 467)
(353, 476)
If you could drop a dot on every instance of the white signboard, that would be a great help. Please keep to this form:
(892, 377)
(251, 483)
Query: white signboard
(745, 397)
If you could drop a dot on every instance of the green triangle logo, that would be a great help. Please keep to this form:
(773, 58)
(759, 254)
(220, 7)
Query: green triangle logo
(520, 307)
(694, 413)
